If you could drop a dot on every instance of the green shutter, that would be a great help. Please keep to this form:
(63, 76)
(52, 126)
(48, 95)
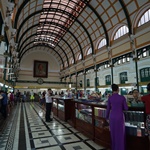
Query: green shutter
(123, 77)
(145, 74)
(97, 81)
(108, 80)
(88, 82)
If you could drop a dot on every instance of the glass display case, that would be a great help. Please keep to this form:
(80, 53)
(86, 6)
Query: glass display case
(83, 119)
(90, 120)
(55, 106)
(61, 108)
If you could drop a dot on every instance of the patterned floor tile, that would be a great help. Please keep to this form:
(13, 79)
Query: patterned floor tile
(77, 146)
(36, 124)
(67, 138)
(51, 148)
(56, 126)
(43, 142)
(60, 131)
(41, 134)
(96, 146)
(82, 136)
(73, 130)
(38, 128)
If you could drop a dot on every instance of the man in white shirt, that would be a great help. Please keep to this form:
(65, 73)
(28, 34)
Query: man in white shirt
(48, 98)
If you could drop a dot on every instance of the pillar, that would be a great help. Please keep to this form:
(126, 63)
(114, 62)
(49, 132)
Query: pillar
(95, 80)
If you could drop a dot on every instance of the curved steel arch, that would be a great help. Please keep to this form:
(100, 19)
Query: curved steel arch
(61, 26)
(127, 16)
(35, 34)
(87, 35)
(25, 2)
(49, 46)
(62, 38)
(44, 46)
(101, 21)
(24, 34)
(19, 12)
(65, 54)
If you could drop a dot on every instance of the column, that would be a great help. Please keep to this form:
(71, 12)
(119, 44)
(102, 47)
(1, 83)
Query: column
(135, 59)
(110, 63)
(95, 79)
(84, 82)
(136, 70)
(76, 82)
(112, 74)
(65, 81)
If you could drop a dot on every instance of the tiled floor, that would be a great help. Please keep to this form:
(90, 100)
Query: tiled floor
(40, 135)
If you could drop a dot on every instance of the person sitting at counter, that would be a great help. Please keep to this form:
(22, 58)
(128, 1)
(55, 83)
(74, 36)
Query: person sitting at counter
(136, 96)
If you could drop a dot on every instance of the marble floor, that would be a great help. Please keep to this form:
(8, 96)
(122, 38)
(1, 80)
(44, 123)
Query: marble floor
(26, 129)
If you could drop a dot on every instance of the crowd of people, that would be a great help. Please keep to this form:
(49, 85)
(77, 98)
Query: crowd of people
(115, 109)
(8, 100)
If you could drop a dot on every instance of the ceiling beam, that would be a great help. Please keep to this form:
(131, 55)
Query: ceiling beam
(40, 46)
(127, 16)
(20, 48)
(20, 54)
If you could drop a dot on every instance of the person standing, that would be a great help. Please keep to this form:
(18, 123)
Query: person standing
(32, 96)
(43, 100)
(12, 98)
(17, 96)
(115, 107)
(48, 98)
(146, 100)
(4, 101)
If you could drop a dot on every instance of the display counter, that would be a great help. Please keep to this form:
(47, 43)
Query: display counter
(61, 107)
(89, 118)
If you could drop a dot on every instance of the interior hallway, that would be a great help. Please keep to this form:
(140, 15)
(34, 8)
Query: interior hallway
(26, 129)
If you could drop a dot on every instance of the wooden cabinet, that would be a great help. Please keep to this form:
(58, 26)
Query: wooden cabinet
(89, 118)
(89, 124)
(62, 108)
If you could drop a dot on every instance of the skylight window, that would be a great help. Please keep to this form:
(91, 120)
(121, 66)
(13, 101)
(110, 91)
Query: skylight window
(145, 18)
(89, 51)
(102, 43)
(79, 57)
(56, 18)
(121, 31)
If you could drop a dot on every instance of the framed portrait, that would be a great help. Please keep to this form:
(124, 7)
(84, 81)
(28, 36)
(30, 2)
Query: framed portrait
(40, 69)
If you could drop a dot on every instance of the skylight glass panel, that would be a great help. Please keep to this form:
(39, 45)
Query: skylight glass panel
(56, 18)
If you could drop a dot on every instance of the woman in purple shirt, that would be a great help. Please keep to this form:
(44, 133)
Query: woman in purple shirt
(115, 107)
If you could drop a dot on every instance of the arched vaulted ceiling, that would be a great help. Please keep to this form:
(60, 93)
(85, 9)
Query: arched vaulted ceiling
(68, 27)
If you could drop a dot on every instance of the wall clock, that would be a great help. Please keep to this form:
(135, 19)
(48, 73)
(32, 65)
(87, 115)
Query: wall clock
(40, 81)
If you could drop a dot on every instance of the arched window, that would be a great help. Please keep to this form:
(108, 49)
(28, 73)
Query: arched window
(145, 18)
(61, 66)
(79, 57)
(66, 64)
(120, 32)
(102, 43)
(71, 61)
(89, 51)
